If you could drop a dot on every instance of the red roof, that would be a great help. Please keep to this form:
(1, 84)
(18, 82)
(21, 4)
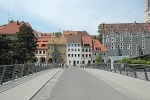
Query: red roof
(12, 27)
(97, 44)
(87, 40)
(42, 43)
(75, 32)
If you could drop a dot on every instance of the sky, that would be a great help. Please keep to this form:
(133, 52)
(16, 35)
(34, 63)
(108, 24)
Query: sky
(78, 15)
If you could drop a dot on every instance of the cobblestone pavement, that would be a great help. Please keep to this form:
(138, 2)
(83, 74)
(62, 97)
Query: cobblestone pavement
(76, 84)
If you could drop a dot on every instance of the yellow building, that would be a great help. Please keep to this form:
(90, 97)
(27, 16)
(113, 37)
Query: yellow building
(56, 49)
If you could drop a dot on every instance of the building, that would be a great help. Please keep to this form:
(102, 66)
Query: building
(86, 49)
(147, 11)
(74, 50)
(56, 49)
(10, 30)
(99, 48)
(126, 39)
(70, 32)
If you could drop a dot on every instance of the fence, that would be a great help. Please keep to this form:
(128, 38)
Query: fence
(12, 72)
(139, 71)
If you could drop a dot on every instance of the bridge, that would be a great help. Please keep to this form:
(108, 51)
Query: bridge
(51, 82)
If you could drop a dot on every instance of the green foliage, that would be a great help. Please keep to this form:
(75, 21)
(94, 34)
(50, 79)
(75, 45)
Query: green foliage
(125, 60)
(99, 37)
(26, 43)
(99, 59)
(58, 33)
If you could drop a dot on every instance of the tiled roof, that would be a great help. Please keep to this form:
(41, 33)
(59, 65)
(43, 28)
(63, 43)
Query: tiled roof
(12, 27)
(73, 38)
(57, 39)
(75, 32)
(97, 44)
(125, 28)
(41, 41)
(87, 40)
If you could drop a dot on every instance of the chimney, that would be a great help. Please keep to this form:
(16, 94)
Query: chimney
(17, 22)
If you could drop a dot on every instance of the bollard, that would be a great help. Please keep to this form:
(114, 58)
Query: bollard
(145, 72)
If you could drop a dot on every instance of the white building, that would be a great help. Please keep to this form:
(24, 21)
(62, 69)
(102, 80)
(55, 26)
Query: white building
(73, 50)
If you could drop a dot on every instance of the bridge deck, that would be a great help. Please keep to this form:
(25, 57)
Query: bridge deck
(80, 84)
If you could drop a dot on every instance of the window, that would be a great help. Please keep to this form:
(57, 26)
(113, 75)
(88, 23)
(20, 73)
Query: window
(112, 44)
(78, 45)
(68, 55)
(143, 43)
(78, 55)
(121, 35)
(48, 47)
(82, 50)
(130, 48)
(104, 54)
(86, 44)
(72, 45)
(130, 39)
(64, 53)
(86, 55)
(43, 45)
(71, 49)
(60, 53)
(121, 47)
(75, 45)
(112, 47)
(130, 43)
(69, 62)
(37, 45)
(78, 49)
(95, 54)
(40, 52)
(75, 50)
(143, 47)
(75, 55)
(107, 39)
(68, 49)
(82, 55)
(48, 54)
(86, 50)
(89, 50)
(143, 35)
(43, 52)
(36, 52)
(68, 45)
(143, 39)
(130, 35)
(130, 52)
(77, 62)
(121, 43)
(51, 48)
(121, 39)
(71, 55)
(107, 35)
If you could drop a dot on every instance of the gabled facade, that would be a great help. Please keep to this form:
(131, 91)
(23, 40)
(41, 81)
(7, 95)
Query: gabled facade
(73, 50)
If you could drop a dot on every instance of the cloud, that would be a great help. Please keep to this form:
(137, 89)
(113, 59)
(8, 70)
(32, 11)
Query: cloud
(75, 14)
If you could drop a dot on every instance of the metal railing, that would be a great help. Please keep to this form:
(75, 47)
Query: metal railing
(15, 71)
(139, 71)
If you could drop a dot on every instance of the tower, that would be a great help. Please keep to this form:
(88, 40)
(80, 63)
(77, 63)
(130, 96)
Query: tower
(147, 11)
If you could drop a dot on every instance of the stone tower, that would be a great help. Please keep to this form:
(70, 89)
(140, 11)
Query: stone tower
(147, 11)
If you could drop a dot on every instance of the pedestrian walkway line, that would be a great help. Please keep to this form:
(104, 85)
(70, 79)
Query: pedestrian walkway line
(138, 88)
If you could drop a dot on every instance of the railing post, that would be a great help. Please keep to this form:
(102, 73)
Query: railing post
(134, 72)
(145, 72)
(115, 68)
(120, 69)
(22, 70)
(14, 72)
(126, 69)
(3, 73)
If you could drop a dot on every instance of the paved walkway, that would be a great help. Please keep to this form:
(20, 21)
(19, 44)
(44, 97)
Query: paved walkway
(26, 90)
(76, 84)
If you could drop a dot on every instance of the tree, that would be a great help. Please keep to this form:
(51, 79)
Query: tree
(58, 33)
(99, 37)
(5, 56)
(99, 59)
(26, 44)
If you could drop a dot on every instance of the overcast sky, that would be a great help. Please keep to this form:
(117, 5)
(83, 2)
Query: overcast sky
(50, 15)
